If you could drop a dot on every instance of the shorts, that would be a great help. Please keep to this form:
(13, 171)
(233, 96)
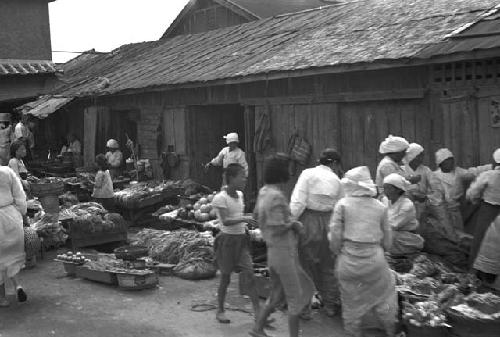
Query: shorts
(232, 253)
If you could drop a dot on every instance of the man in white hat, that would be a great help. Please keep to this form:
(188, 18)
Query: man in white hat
(486, 190)
(114, 157)
(448, 185)
(231, 154)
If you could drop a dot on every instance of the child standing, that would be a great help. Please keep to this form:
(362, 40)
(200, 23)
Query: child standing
(231, 245)
(103, 186)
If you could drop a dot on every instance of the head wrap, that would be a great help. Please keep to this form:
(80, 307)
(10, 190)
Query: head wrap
(496, 156)
(398, 181)
(112, 144)
(413, 151)
(358, 182)
(393, 144)
(442, 155)
(231, 138)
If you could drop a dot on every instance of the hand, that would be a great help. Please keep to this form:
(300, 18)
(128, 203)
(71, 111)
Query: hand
(415, 179)
(297, 226)
(251, 221)
(207, 166)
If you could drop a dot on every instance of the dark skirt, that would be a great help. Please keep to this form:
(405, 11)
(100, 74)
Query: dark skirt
(486, 214)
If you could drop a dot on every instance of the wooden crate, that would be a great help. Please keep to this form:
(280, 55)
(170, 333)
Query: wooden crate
(96, 275)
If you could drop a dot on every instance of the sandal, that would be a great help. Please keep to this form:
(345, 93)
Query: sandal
(21, 295)
(221, 318)
(254, 333)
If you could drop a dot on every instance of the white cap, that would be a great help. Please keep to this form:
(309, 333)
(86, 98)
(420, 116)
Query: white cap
(112, 144)
(442, 155)
(496, 156)
(397, 180)
(231, 137)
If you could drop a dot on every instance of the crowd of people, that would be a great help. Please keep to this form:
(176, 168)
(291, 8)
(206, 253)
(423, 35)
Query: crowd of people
(334, 235)
(331, 239)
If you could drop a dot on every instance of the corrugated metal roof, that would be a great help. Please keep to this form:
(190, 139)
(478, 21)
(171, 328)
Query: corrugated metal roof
(44, 106)
(26, 67)
(368, 31)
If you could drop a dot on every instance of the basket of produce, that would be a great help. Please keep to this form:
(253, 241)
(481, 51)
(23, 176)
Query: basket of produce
(478, 316)
(85, 170)
(47, 186)
(70, 261)
(131, 253)
(145, 194)
(134, 279)
(425, 319)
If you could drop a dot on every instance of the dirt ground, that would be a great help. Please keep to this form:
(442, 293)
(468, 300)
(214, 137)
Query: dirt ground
(62, 306)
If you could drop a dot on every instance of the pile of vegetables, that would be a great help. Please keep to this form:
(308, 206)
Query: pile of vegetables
(191, 251)
(49, 227)
(425, 314)
(91, 217)
(131, 196)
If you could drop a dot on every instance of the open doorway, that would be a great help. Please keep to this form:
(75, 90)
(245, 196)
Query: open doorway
(206, 125)
(113, 124)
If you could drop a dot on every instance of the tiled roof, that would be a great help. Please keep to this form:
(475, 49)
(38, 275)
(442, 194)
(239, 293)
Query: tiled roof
(268, 8)
(26, 67)
(358, 32)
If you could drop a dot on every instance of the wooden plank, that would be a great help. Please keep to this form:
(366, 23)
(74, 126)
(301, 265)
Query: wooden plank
(489, 139)
(89, 125)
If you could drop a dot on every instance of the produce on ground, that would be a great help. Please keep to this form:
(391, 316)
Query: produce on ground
(191, 251)
(49, 227)
(71, 257)
(425, 314)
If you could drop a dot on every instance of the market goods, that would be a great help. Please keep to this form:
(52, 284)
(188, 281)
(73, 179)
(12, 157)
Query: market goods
(486, 303)
(69, 257)
(91, 217)
(146, 193)
(423, 267)
(200, 211)
(49, 227)
(425, 314)
(191, 251)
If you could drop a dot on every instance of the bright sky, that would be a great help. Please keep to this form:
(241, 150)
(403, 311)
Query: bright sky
(80, 25)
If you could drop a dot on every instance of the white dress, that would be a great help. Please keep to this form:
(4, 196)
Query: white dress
(12, 208)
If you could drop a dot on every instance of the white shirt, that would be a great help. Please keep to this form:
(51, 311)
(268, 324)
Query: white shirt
(386, 167)
(103, 187)
(423, 186)
(226, 157)
(114, 158)
(234, 208)
(486, 187)
(317, 189)
(401, 214)
(20, 131)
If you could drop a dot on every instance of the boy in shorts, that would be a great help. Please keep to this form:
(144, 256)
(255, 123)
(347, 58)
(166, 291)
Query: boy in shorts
(231, 245)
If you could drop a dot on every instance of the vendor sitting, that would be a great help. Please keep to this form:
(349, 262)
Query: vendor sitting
(103, 186)
(16, 163)
(114, 157)
(402, 217)
(73, 145)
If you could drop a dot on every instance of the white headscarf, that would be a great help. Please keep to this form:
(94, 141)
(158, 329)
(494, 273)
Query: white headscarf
(496, 156)
(442, 155)
(393, 144)
(413, 151)
(358, 182)
(397, 180)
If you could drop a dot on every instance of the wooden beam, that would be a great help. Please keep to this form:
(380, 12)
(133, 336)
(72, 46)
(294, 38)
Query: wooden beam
(342, 97)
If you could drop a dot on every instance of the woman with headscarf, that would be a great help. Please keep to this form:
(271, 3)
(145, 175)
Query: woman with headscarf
(12, 256)
(394, 150)
(486, 189)
(447, 185)
(360, 234)
(487, 263)
(414, 167)
(289, 282)
(402, 217)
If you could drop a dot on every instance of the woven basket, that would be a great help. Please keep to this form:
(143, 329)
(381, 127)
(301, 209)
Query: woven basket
(53, 188)
(463, 326)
